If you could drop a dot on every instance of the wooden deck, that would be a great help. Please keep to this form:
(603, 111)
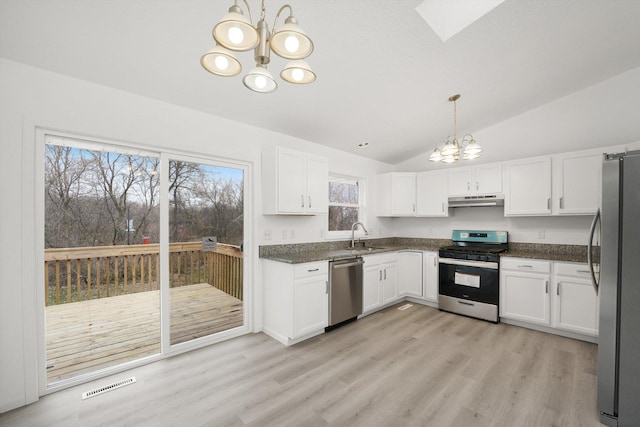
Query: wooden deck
(85, 336)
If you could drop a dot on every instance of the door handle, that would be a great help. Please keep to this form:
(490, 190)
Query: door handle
(596, 218)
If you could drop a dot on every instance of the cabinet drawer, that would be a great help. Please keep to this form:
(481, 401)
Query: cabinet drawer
(573, 269)
(525, 264)
(311, 269)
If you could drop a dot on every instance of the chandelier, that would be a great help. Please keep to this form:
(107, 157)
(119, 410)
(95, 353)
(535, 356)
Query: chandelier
(450, 152)
(235, 32)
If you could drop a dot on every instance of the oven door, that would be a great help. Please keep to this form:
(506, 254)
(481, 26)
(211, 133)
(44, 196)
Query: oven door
(470, 280)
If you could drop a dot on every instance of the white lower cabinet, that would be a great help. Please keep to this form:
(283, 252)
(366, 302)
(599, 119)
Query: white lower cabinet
(295, 300)
(524, 290)
(430, 274)
(410, 274)
(555, 294)
(379, 281)
(575, 305)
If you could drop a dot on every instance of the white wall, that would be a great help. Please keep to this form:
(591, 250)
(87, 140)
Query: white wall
(573, 230)
(33, 97)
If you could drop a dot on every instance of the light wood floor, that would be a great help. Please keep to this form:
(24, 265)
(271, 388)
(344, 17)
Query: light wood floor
(417, 367)
(90, 335)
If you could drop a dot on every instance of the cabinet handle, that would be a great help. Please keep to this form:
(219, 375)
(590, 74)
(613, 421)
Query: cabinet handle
(385, 274)
(525, 266)
(413, 208)
(477, 186)
(434, 262)
(302, 201)
(326, 289)
(583, 271)
(549, 203)
(561, 202)
(546, 286)
(380, 276)
(442, 206)
(468, 186)
(558, 288)
(309, 201)
(315, 269)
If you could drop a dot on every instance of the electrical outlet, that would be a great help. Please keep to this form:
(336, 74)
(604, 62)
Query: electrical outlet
(541, 233)
(266, 235)
(292, 234)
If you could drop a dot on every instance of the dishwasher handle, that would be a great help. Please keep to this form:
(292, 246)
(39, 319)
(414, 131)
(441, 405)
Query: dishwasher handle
(343, 264)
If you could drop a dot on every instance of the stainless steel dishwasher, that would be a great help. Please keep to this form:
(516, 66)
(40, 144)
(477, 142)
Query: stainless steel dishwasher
(345, 290)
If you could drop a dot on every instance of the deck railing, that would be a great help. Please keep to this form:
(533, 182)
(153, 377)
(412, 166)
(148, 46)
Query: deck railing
(79, 274)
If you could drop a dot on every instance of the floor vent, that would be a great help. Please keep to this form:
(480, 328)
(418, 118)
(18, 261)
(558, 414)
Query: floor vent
(404, 307)
(109, 387)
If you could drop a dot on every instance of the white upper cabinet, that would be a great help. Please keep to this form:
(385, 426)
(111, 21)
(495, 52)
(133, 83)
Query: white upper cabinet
(294, 183)
(577, 183)
(397, 194)
(431, 194)
(477, 180)
(527, 187)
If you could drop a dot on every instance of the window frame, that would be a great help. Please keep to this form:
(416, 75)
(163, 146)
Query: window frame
(361, 183)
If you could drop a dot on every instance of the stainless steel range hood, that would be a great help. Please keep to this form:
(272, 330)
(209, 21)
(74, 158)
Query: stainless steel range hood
(476, 201)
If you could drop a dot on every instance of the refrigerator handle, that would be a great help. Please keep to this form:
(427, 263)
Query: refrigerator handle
(594, 223)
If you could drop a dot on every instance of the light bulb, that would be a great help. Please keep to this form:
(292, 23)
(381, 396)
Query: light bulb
(260, 82)
(297, 74)
(222, 63)
(292, 44)
(236, 35)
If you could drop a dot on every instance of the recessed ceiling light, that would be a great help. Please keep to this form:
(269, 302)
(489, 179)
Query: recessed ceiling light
(363, 145)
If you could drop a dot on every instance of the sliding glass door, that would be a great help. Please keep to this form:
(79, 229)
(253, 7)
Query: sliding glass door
(110, 265)
(206, 229)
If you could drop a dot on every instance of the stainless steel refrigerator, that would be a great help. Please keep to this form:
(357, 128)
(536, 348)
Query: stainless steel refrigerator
(619, 291)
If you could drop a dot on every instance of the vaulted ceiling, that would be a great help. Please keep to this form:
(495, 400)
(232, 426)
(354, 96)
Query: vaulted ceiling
(384, 76)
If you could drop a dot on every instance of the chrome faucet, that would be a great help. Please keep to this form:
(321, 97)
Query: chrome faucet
(353, 232)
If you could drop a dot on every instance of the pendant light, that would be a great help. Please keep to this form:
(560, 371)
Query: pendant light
(450, 152)
(236, 32)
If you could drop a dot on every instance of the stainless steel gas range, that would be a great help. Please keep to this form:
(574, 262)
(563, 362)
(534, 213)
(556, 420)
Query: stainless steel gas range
(469, 273)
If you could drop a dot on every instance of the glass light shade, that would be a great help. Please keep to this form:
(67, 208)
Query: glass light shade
(260, 80)
(468, 156)
(435, 155)
(450, 148)
(221, 62)
(473, 148)
(298, 72)
(449, 159)
(290, 42)
(235, 32)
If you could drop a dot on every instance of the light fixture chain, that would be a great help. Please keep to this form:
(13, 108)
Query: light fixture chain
(263, 12)
(455, 121)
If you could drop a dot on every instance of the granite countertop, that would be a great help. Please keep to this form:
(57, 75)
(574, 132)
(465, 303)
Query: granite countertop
(329, 251)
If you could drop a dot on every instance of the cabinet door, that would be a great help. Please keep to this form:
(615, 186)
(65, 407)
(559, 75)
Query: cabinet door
(292, 181)
(410, 273)
(579, 181)
(371, 292)
(576, 306)
(389, 282)
(311, 305)
(431, 194)
(525, 297)
(488, 179)
(403, 194)
(528, 188)
(317, 195)
(431, 276)
(460, 182)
